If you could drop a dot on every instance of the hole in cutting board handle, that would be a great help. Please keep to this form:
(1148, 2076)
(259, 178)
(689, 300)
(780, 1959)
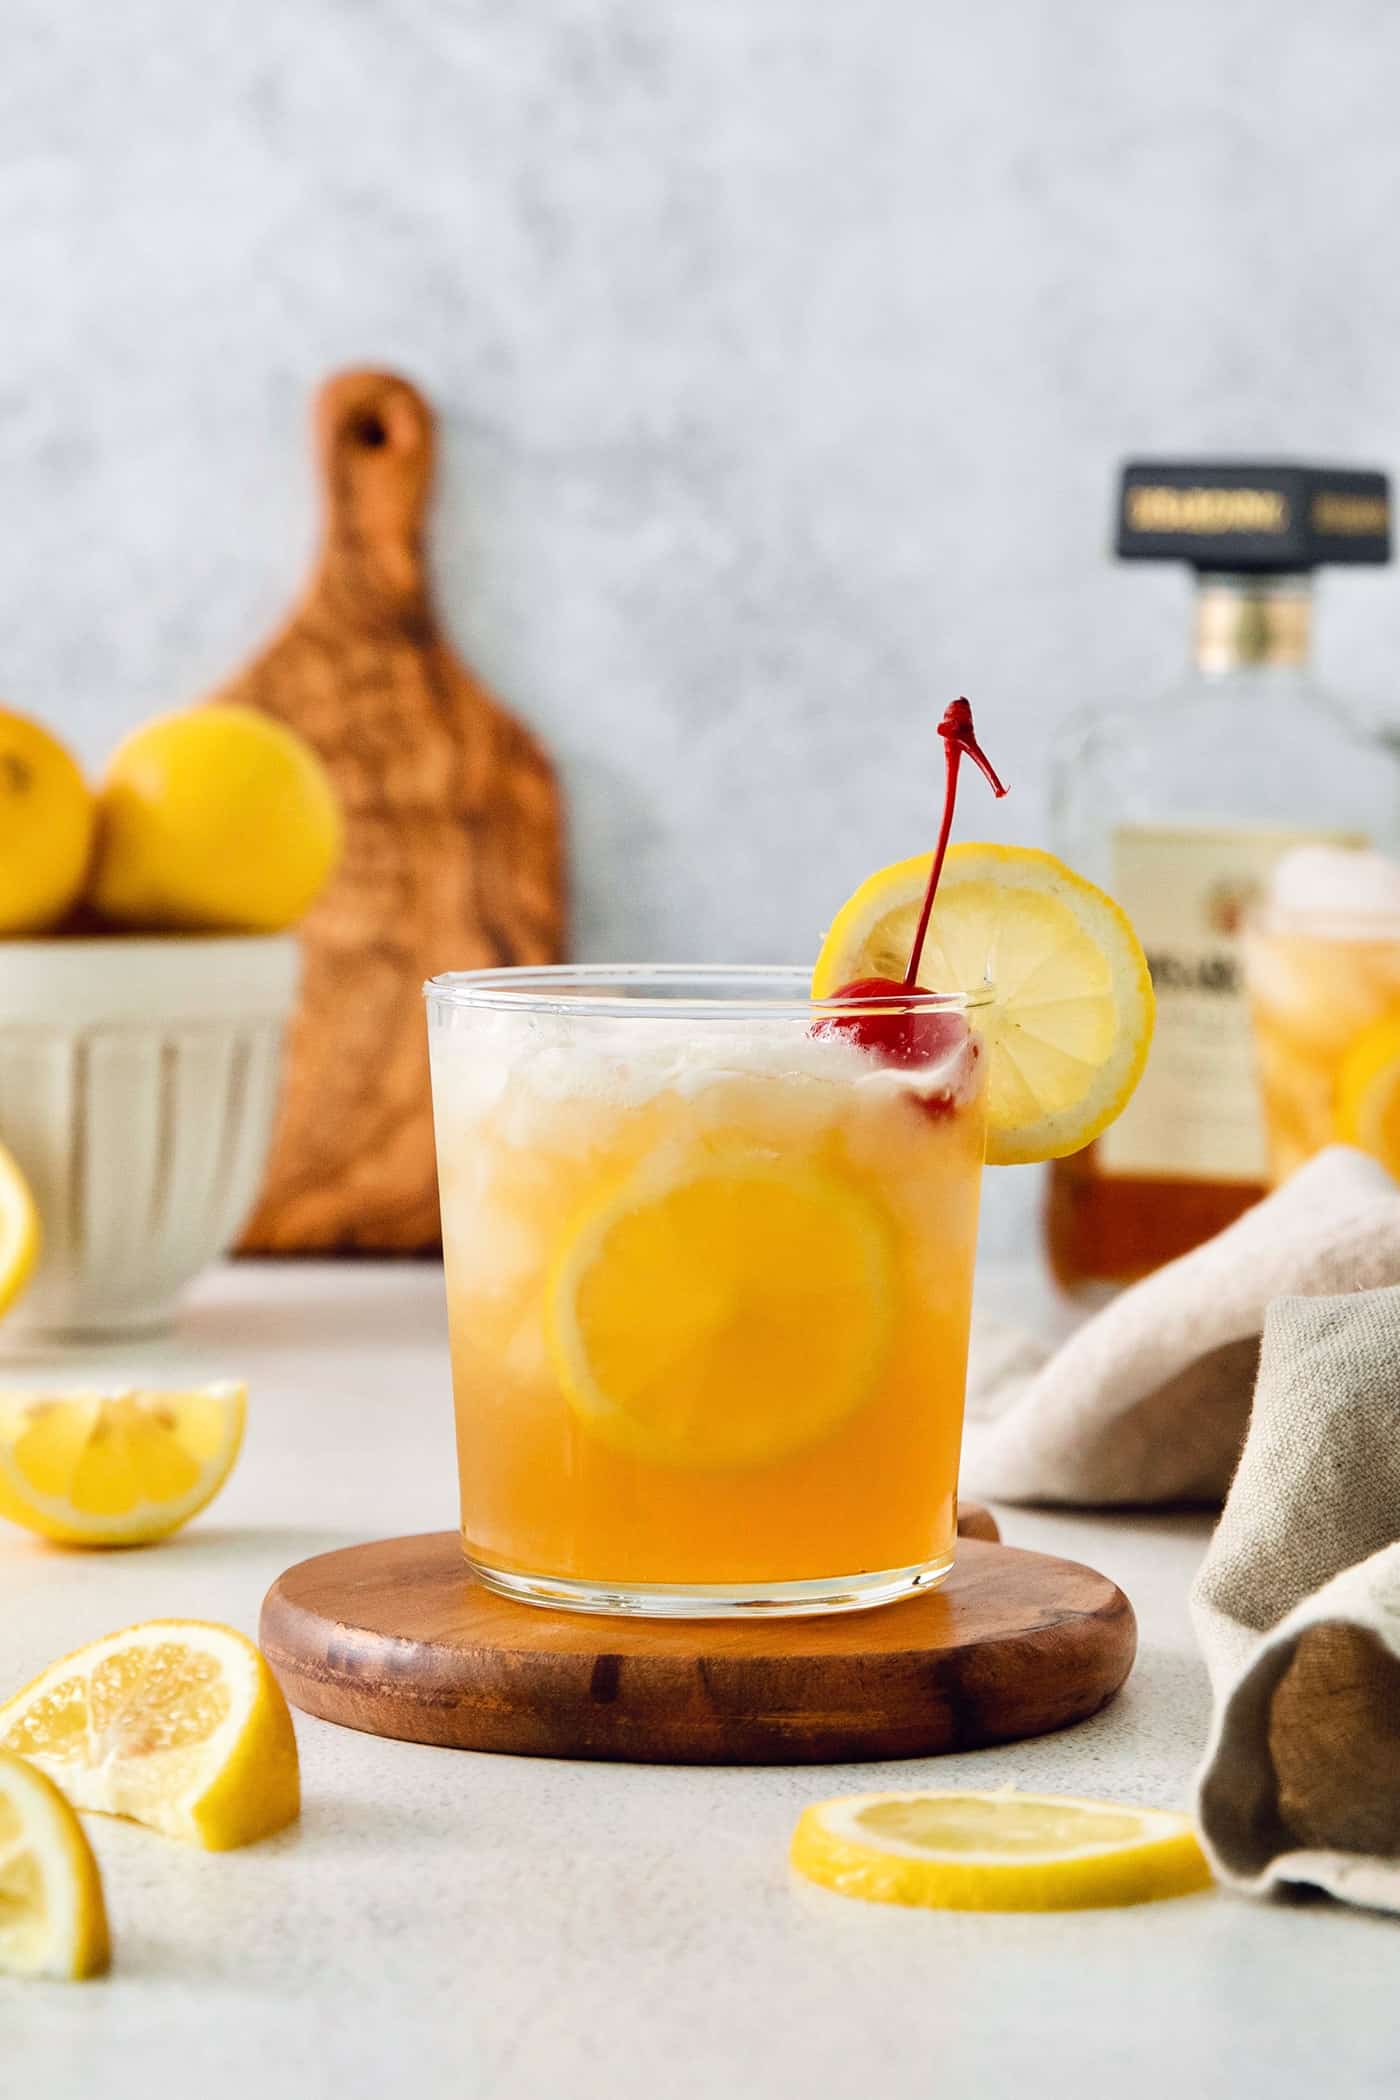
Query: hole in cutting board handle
(369, 430)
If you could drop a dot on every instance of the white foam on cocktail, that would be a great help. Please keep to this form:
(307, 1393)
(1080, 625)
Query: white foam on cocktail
(1336, 890)
(625, 1063)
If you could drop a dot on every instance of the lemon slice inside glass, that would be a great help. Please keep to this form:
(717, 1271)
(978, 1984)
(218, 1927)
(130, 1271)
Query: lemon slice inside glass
(997, 1851)
(724, 1311)
(53, 1921)
(1367, 1110)
(175, 1723)
(116, 1469)
(1070, 1022)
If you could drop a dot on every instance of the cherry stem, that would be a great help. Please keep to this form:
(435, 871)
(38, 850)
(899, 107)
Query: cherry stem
(960, 739)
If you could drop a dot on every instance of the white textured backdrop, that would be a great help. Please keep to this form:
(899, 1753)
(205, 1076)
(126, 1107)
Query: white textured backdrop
(785, 350)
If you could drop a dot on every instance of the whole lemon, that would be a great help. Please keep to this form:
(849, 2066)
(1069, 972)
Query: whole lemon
(216, 818)
(46, 823)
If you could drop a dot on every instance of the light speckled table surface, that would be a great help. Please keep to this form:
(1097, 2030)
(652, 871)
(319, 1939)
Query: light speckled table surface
(447, 1924)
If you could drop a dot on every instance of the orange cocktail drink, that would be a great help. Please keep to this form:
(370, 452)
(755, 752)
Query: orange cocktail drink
(1322, 963)
(709, 1234)
(709, 1273)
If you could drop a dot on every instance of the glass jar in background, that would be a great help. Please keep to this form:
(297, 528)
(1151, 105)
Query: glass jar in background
(709, 1275)
(1324, 990)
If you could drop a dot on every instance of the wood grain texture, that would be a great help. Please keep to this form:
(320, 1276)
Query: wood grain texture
(397, 1639)
(453, 846)
(975, 1521)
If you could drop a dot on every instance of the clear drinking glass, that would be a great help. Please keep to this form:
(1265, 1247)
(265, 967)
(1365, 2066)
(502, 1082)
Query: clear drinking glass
(1324, 993)
(709, 1275)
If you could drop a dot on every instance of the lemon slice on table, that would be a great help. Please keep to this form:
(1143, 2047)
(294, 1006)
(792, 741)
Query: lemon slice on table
(1070, 1023)
(177, 1724)
(1367, 1105)
(723, 1310)
(116, 1469)
(53, 1921)
(1002, 1851)
(19, 1231)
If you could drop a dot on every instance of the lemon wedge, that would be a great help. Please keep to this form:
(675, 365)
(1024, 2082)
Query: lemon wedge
(1367, 1104)
(177, 1724)
(1070, 1023)
(116, 1469)
(723, 1310)
(19, 1231)
(53, 1921)
(1003, 1851)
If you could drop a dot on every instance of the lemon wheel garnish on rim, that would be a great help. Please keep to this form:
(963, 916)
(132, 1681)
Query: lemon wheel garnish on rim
(723, 1310)
(1070, 1021)
(53, 1921)
(1001, 1851)
(115, 1469)
(176, 1723)
(1367, 1110)
(19, 1231)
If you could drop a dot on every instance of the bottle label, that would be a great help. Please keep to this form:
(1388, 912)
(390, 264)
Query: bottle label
(1196, 1115)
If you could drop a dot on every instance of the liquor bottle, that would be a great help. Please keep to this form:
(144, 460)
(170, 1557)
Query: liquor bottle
(1181, 808)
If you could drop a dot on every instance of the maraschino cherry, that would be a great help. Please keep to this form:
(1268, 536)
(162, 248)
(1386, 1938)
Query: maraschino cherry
(898, 1032)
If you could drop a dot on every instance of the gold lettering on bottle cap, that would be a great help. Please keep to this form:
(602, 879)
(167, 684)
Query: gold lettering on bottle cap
(1335, 510)
(1154, 508)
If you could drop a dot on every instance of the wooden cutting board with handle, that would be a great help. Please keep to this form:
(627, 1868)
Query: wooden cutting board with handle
(453, 839)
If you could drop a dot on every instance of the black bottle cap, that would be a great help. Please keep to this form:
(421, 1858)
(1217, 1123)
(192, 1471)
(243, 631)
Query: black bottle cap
(1233, 514)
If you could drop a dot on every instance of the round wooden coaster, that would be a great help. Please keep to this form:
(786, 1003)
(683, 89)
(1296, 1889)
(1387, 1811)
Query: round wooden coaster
(398, 1639)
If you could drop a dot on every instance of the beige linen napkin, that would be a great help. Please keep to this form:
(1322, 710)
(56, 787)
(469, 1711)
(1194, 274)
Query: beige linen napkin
(1297, 1608)
(1149, 1400)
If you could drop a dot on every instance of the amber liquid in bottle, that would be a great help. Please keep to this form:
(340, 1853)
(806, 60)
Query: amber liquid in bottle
(1102, 1230)
(1181, 810)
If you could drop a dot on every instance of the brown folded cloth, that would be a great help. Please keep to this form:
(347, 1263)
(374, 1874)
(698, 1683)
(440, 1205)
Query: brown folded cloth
(1297, 1608)
(1149, 1400)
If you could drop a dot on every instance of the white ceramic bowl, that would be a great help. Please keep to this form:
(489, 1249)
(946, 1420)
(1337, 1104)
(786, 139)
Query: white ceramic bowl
(138, 1083)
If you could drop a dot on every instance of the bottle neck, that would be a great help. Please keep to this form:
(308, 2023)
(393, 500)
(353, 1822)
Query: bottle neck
(1245, 621)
